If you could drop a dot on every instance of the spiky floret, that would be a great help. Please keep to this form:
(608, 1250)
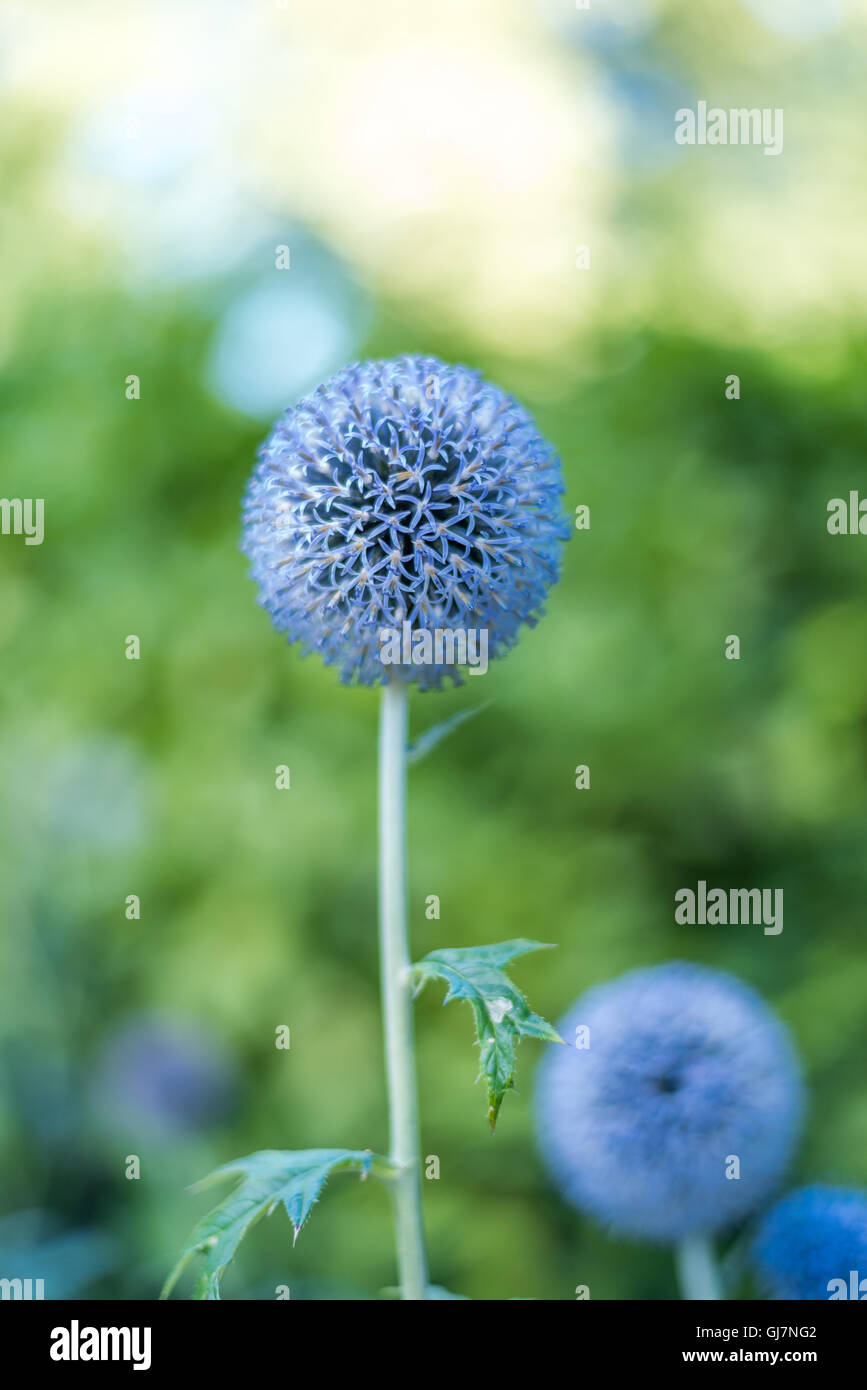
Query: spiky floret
(403, 491)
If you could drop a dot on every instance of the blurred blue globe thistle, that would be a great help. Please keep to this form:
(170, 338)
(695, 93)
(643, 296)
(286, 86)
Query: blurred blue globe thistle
(812, 1236)
(403, 492)
(163, 1077)
(685, 1068)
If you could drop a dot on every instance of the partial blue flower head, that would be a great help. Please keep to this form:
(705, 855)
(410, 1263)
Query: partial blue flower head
(674, 1078)
(813, 1237)
(404, 497)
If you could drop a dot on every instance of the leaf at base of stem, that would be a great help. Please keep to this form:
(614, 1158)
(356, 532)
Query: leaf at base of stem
(270, 1178)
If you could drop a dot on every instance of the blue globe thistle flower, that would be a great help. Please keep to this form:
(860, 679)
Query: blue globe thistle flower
(686, 1068)
(404, 491)
(163, 1077)
(813, 1236)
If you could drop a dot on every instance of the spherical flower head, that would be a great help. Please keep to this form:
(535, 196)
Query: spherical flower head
(686, 1070)
(165, 1076)
(813, 1236)
(404, 496)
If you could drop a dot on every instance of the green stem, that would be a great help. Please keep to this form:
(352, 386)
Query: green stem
(397, 994)
(697, 1269)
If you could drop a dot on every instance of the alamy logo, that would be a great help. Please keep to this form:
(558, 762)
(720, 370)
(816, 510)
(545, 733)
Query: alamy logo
(22, 1288)
(748, 906)
(75, 1343)
(847, 519)
(740, 126)
(23, 516)
(855, 1289)
(444, 646)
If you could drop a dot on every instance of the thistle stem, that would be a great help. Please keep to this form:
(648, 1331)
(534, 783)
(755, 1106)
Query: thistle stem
(397, 994)
(697, 1269)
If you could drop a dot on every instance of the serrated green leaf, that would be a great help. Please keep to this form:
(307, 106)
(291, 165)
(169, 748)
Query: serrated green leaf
(293, 1179)
(433, 1293)
(431, 737)
(502, 1014)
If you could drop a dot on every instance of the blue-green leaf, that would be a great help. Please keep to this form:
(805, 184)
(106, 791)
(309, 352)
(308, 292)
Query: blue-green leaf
(431, 737)
(433, 1293)
(502, 1014)
(268, 1179)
